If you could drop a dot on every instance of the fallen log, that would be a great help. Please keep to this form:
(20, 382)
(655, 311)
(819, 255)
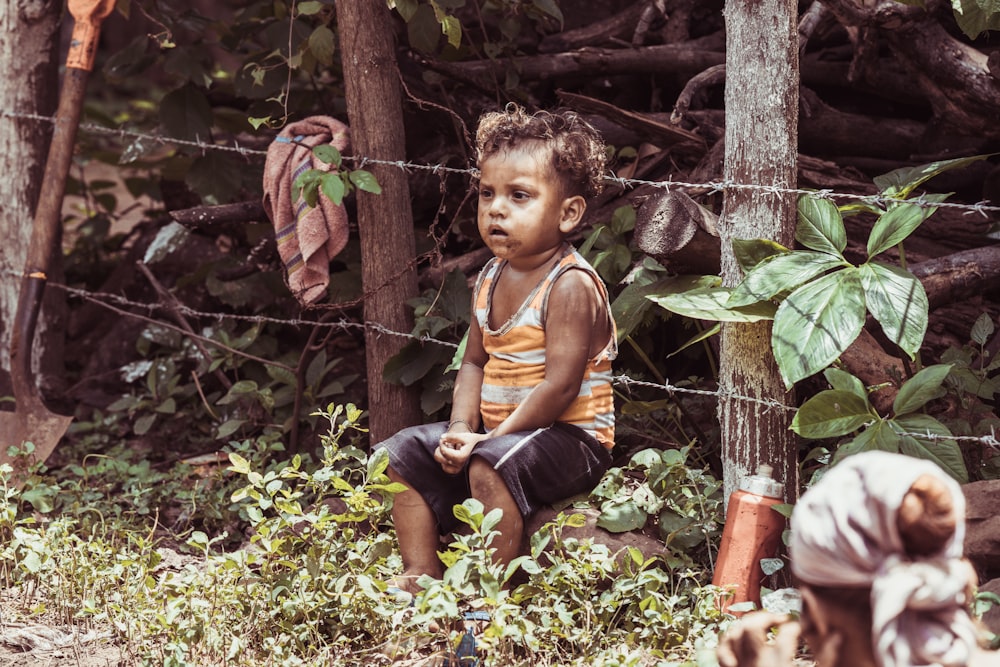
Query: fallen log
(953, 76)
(204, 217)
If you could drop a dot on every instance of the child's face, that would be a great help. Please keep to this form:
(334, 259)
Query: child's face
(522, 211)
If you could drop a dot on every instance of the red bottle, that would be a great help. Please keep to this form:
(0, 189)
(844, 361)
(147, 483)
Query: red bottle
(752, 532)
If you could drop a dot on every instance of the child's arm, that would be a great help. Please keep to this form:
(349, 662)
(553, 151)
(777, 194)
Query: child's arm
(457, 443)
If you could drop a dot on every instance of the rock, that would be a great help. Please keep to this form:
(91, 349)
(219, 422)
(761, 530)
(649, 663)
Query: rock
(991, 619)
(616, 542)
(982, 536)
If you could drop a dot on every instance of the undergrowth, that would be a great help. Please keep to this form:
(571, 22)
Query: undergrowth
(299, 576)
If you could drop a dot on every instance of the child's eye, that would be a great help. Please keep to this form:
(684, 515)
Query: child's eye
(521, 195)
(484, 193)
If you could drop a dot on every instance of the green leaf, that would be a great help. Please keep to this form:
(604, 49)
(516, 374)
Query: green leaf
(238, 464)
(982, 329)
(143, 424)
(215, 176)
(975, 17)
(328, 154)
(364, 180)
(322, 44)
(306, 186)
(901, 182)
(621, 516)
(919, 389)
(228, 428)
(622, 220)
(452, 29)
(877, 437)
(711, 304)
(631, 305)
(820, 226)
(781, 273)
(551, 8)
(414, 361)
(185, 113)
(751, 252)
(898, 301)
(844, 381)
(816, 323)
(832, 413)
(331, 185)
(423, 30)
(945, 453)
(309, 7)
(406, 8)
(893, 226)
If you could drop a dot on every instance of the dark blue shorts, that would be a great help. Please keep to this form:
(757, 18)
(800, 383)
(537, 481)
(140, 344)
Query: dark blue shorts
(540, 467)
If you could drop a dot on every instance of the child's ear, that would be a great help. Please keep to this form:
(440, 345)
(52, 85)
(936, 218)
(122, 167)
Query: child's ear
(572, 213)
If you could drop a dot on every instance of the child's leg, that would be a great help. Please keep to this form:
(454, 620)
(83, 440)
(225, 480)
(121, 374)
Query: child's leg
(416, 529)
(489, 488)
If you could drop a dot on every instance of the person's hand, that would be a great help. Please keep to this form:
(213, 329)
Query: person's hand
(748, 641)
(454, 450)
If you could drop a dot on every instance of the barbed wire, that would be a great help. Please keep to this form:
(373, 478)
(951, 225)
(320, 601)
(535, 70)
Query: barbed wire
(106, 299)
(983, 207)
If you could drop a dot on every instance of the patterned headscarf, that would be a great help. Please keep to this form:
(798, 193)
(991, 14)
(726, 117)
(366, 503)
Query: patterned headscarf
(844, 533)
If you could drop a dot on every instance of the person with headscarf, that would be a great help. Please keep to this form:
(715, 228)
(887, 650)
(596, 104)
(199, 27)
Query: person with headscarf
(876, 551)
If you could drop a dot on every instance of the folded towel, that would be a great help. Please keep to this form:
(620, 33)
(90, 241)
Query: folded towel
(308, 237)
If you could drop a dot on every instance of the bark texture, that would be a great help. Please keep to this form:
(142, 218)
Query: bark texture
(761, 134)
(28, 49)
(389, 277)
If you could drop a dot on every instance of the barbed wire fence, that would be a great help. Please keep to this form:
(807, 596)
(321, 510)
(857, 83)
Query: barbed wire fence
(128, 308)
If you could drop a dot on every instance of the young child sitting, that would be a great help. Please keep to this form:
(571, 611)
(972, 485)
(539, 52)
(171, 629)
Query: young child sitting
(532, 419)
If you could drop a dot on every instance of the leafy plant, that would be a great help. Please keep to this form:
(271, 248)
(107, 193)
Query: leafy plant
(845, 409)
(657, 486)
(816, 298)
(972, 387)
(334, 184)
(442, 314)
(308, 584)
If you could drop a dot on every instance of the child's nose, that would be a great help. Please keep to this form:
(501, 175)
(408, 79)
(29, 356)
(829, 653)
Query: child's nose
(497, 208)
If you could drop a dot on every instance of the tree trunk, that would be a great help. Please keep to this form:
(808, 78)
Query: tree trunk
(28, 51)
(761, 134)
(388, 272)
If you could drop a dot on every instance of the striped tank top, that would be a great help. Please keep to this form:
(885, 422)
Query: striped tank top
(516, 350)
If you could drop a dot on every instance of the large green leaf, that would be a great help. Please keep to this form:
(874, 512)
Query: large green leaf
(878, 437)
(621, 516)
(919, 389)
(781, 273)
(751, 252)
(901, 182)
(630, 307)
(844, 381)
(820, 226)
(832, 413)
(710, 304)
(917, 439)
(185, 113)
(816, 323)
(975, 17)
(897, 223)
(898, 301)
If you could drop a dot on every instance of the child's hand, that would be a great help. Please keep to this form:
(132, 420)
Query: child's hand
(454, 450)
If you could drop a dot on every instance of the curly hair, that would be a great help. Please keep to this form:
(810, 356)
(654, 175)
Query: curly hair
(577, 151)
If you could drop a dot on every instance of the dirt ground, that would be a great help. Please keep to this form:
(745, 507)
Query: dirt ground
(57, 648)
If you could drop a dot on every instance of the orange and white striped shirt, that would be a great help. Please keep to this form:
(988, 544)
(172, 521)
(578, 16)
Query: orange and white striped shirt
(516, 350)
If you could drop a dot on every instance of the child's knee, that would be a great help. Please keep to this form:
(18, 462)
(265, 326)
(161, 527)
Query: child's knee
(484, 481)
